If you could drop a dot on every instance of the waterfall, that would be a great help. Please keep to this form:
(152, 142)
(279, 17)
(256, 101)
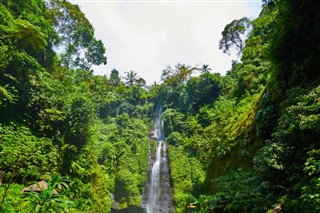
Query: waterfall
(155, 182)
(159, 191)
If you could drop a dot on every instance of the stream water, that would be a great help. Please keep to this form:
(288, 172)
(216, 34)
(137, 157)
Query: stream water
(158, 188)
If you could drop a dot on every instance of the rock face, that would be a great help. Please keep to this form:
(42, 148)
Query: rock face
(152, 135)
(38, 187)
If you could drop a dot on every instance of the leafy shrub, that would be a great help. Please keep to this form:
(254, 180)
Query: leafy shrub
(30, 155)
(238, 192)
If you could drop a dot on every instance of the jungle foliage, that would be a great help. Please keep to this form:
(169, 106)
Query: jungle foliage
(59, 120)
(256, 138)
(243, 142)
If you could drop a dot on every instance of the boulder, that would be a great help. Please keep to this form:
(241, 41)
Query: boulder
(38, 187)
(151, 135)
(278, 208)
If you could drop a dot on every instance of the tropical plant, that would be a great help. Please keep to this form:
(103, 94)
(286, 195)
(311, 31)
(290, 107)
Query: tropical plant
(49, 200)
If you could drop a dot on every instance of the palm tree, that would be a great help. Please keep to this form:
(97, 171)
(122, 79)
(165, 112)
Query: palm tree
(205, 68)
(183, 72)
(131, 78)
(177, 76)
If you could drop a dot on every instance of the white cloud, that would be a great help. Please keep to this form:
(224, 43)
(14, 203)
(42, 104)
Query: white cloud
(145, 37)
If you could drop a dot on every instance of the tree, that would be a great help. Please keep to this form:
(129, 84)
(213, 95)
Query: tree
(79, 118)
(233, 35)
(269, 2)
(131, 78)
(80, 49)
(94, 55)
(114, 78)
(203, 90)
(177, 76)
(141, 82)
(205, 68)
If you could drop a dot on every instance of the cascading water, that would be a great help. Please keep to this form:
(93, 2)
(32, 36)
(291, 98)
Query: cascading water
(155, 182)
(159, 191)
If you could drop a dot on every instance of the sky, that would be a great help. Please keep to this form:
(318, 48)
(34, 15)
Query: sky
(148, 35)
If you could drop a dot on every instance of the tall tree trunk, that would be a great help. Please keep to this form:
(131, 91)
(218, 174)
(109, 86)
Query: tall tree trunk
(2, 174)
(8, 186)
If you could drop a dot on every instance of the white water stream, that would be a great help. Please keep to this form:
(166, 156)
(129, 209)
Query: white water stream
(159, 191)
(153, 195)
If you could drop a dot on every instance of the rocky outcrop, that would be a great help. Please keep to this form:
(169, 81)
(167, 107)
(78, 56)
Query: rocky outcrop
(38, 187)
(278, 208)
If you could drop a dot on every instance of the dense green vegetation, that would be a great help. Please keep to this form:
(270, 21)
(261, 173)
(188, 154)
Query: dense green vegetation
(256, 135)
(242, 142)
(59, 120)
